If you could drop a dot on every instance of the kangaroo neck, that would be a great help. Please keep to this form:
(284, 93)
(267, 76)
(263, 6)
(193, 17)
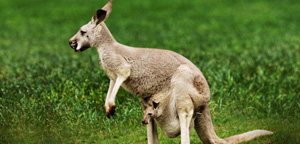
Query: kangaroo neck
(105, 38)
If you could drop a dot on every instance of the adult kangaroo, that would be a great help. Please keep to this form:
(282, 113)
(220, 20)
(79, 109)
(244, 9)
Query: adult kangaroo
(154, 73)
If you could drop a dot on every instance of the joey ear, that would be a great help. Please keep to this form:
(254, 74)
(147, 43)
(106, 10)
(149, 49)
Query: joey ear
(155, 104)
(102, 14)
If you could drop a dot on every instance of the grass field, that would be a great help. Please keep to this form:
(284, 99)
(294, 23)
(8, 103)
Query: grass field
(247, 50)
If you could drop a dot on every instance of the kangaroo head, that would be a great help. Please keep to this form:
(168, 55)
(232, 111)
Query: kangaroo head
(88, 35)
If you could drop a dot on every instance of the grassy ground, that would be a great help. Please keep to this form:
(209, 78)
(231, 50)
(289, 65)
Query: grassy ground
(248, 51)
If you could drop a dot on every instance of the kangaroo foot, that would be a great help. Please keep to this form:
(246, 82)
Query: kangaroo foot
(110, 110)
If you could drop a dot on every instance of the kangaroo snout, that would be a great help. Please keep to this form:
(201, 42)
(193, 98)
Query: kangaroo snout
(73, 44)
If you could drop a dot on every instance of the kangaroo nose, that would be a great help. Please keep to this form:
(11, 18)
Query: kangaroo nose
(73, 44)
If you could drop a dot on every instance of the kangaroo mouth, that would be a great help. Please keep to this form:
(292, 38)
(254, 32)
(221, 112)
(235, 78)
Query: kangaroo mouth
(83, 48)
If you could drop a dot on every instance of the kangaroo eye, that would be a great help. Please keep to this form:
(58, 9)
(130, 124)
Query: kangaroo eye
(82, 32)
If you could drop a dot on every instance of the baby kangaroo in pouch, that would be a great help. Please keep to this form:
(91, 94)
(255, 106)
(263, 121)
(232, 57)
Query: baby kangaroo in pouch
(173, 91)
(169, 121)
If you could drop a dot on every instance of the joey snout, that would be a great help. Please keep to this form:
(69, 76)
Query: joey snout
(147, 118)
(145, 122)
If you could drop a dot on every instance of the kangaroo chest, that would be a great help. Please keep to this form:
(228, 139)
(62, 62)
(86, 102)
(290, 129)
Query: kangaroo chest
(110, 73)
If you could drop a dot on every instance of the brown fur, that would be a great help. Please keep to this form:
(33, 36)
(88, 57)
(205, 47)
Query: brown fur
(198, 84)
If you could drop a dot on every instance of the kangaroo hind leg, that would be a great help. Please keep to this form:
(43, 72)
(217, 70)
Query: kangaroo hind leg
(182, 101)
(204, 127)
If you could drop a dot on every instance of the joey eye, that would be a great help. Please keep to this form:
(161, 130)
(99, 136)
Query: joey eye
(82, 32)
(150, 114)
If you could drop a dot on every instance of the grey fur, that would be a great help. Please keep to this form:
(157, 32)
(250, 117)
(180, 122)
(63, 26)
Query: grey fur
(154, 75)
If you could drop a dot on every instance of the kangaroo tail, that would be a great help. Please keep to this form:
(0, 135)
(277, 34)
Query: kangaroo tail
(247, 136)
(205, 131)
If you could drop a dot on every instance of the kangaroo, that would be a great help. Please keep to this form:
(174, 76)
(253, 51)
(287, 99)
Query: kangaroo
(158, 74)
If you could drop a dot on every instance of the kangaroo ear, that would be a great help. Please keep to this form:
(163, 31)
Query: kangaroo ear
(102, 14)
(155, 104)
(99, 16)
(108, 8)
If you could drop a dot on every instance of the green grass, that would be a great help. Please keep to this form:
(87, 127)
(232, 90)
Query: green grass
(247, 50)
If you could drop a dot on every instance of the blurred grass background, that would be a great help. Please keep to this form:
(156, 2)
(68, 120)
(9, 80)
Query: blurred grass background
(247, 50)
